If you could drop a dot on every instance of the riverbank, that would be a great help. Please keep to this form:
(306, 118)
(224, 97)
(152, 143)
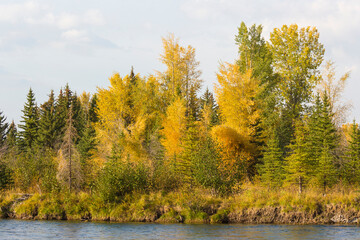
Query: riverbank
(253, 205)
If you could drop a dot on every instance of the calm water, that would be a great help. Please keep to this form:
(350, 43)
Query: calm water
(22, 229)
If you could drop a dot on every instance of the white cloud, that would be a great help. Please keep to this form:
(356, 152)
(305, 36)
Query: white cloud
(74, 35)
(66, 21)
(93, 17)
(33, 13)
(14, 13)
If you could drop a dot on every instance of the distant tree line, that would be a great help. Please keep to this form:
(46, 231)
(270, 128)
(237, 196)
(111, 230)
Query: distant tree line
(276, 119)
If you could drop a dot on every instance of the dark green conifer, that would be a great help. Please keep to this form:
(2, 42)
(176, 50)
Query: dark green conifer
(48, 129)
(272, 171)
(30, 121)
(12, 136)
(3, 128)
(351, 171)
(208, 100)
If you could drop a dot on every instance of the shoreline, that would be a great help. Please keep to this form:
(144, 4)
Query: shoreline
(156, 208)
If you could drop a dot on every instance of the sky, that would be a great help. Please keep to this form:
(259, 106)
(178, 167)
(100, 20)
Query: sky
(47, 44)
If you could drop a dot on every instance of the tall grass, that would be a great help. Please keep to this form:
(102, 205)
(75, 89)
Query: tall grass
(194, 205)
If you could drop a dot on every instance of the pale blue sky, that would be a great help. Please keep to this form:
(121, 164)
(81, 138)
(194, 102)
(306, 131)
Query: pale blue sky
(46, 44)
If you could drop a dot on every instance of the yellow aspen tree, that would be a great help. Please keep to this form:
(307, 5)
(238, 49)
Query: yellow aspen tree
(235, 93)
(174, 126)
(121, 117)
(182, 74)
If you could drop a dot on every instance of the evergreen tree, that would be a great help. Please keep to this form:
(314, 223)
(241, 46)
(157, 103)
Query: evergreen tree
(329, 132)
(93, 115)
(272, 171)
(30, 120)
(322, 142)
(79, 117)
(3, 128)
(48, 123)
(190, 145)
(326, 172)
(298, 166)
(315, 132)
(352, 164)
(62, 109)
(86, 148)
(208, 104)
(12, 136)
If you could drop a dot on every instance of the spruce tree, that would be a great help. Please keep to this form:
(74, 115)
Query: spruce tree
(207, 101)
(48, 124)
(3, 128)
(190, 145)
(297, 163)
(79, 117)
(351, 171)
(326, 172)
(272, 171)
(30, 121)
(12, 136)
(93, 116)
(315, 132)
(62, 109)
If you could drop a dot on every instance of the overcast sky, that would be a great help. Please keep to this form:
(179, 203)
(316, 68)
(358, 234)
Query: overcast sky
(46, 44)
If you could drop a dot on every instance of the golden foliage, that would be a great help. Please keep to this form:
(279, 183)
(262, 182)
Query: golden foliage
(122, 117)
(174, 126)
(235, 149)
(235, 94)
(182, 72)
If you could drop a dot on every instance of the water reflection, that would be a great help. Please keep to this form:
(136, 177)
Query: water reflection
(21, 229)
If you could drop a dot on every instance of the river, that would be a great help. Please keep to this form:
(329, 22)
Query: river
(27, 229)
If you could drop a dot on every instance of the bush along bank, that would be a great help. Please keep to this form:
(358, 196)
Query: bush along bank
(254, 205)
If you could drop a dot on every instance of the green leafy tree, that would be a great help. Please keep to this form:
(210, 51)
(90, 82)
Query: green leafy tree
(254, 53)
(297, 54)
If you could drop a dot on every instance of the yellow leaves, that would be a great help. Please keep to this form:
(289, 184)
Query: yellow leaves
(111, 101)
(174, 125)
(235, 95)
(122, 115)
(236, 151)
(231, 140)
(181, 74)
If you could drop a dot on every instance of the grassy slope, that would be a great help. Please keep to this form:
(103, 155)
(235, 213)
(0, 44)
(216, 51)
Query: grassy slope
(252, 204)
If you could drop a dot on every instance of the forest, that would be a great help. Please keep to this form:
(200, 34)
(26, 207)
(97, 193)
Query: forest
(275, 119)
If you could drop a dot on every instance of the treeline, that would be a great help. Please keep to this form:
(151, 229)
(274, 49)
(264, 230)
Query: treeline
(277, 120)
